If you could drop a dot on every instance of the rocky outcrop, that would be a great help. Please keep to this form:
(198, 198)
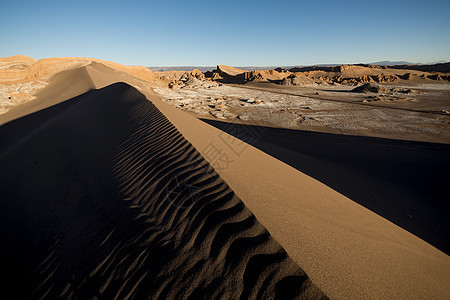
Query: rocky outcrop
(437, 77)
(260, 75)
(379, 89)
(406, 76)
(297, 81)
(281, 70)
(371, 88)
(384, 78)
(16, 62)
(192, 79)
(333, 75)
(228, 72)
(197, 74)
(216, 76)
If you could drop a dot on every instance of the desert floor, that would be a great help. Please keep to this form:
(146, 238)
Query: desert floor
(331, 109)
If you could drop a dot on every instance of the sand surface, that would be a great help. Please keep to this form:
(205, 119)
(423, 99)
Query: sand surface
(132, 210)
(402, 181)
(95, 161)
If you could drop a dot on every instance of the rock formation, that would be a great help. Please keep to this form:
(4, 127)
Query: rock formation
(371, 88)
(297, 80)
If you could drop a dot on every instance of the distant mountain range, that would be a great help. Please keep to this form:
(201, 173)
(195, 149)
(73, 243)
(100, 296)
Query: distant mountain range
(206, 69)
(252, 68)
(181, 68)
(396, 63)
(392, 63)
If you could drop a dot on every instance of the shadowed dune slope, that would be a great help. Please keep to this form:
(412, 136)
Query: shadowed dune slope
(71, 83)
(103, 197)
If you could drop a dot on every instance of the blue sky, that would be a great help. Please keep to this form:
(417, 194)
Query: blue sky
(238, 33)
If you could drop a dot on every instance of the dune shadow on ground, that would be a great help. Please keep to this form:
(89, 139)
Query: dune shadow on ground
(338, 91)
(405, 182)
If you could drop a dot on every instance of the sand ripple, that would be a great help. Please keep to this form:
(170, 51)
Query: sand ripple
(113, 202)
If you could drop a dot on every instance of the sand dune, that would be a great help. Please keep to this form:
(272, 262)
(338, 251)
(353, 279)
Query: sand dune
(108, 221)
(48, 67)
(71, 83)
(133, 210)
(21, 76)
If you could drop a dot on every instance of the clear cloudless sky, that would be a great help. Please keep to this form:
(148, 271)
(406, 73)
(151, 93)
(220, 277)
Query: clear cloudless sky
(238, 33)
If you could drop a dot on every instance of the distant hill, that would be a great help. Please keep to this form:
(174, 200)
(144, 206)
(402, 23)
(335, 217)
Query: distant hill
(392, 63)
(248, 68)
(206, 69)
(182, 68)
(398, 63)
(440, 66)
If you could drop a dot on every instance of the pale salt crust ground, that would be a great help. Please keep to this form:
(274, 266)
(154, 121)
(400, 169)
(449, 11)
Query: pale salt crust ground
(225, 102)
(230, 103)
(15, 94)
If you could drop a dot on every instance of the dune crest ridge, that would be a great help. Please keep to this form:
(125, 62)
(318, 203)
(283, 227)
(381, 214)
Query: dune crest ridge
(44, 69)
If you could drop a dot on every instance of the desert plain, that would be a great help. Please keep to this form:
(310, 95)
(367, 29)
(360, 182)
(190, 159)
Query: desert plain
(286, 183)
